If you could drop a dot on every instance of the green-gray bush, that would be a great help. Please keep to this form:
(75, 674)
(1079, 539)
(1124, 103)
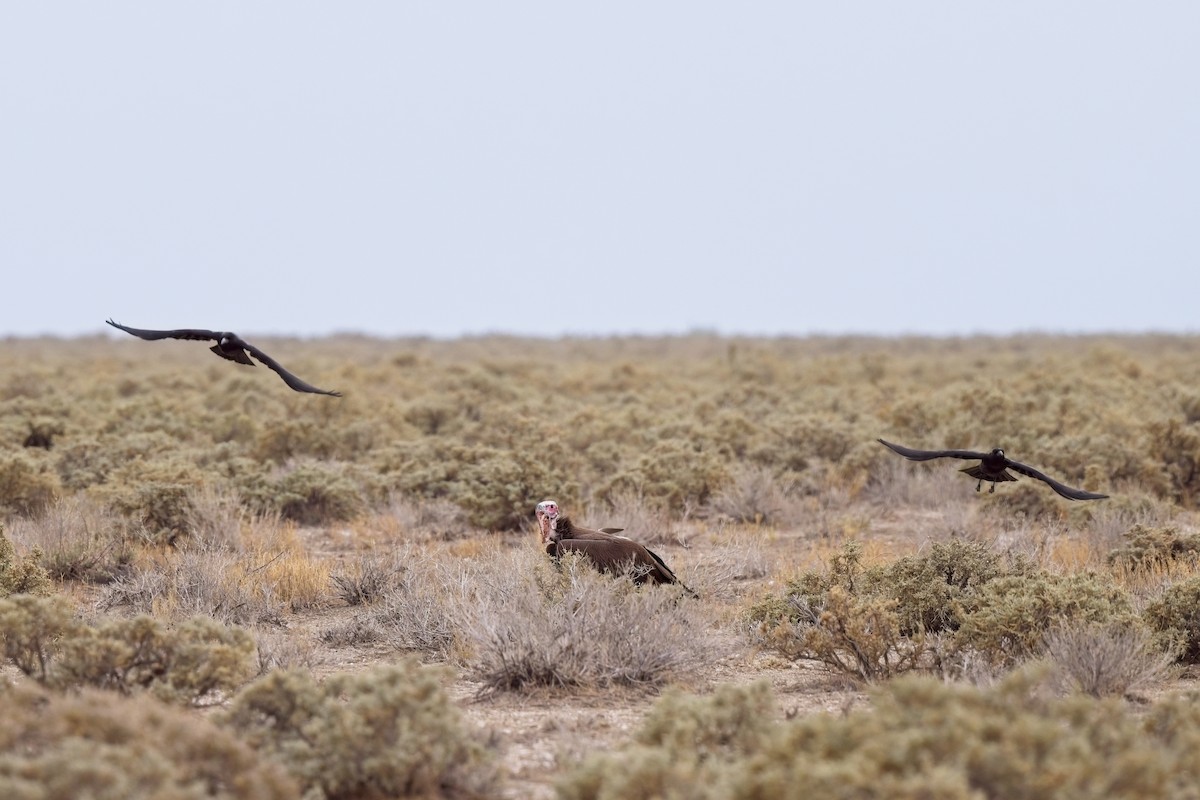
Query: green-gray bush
(928, 587)
(192, 664)
(21, 575)
(872, 623)
(311, 493)
(1006, 619)
(922, 739)
(1176, 617)
(1147, 547)
(101, 746)
(162, 509)
(27, 483)
(388, 732)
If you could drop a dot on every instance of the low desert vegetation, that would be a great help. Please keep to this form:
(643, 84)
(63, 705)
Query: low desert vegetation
(565, 625)
(190, 664)
(921, 738)
(388, 732)
(355, 583)
(101, 745)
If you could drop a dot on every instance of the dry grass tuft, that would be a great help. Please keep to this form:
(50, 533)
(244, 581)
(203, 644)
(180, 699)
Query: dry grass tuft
(537, 625)
(370, 576)
(80, 539)
(259, 585)
(1106, 660)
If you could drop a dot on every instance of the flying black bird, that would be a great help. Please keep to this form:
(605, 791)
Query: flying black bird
(993, 467)
(229, 346)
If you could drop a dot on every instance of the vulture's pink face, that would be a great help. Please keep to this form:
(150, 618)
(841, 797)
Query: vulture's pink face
(547, 517)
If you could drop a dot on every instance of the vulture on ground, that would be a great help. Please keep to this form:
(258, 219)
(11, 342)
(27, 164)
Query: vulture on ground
(993, 467)
(229, 346)
(607, 550)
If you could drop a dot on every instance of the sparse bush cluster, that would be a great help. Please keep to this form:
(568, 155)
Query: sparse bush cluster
(1147, 547)
(21, 575)
(738, 428)
(190, 664)
(184, 487)
(99, 745)
(388, 732)
(1176, 617)
(922, 738)
(957, 603)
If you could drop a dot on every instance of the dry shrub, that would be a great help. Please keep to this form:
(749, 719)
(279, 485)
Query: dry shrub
(855, 635)
(930, 586)
(370, 576)
(356, 631)
(921, 739)
(435, 517)
(755, 495)
(726, 569)
(1175, 616)
(640, 519)
(1150, 548)
(1106, 660)
(21, 575)
(27, 483)
(215, 517)
(79, 538)
(423, 611)
(1006, 619)
(897, 482)
(534, 624)
(284, 650)
(312, 493)
(415, 608)
(874, 623)
(254, 587)
(222, 585)
(104, 747)
(389, 732)
(191, 664)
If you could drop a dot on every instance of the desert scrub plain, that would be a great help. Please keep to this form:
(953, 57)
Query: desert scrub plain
(212, 586)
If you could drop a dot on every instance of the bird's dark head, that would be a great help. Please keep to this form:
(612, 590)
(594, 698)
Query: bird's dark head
(547, 516)
(998, 452)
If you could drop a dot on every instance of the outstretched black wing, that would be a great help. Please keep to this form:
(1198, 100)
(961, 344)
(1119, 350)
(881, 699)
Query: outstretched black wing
(182, 333)
(288, 378)
(1064, 490)
(926, 455)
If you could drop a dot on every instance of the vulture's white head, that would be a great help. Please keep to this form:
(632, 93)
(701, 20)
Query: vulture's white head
(547, 517)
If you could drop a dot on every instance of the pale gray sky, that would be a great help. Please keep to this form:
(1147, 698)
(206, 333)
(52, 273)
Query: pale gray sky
(621, 167)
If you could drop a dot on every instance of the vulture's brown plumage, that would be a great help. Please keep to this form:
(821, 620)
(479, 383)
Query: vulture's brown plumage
(604, 547)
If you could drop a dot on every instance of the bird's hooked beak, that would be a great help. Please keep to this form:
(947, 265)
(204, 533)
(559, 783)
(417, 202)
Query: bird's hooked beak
(547, 516)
